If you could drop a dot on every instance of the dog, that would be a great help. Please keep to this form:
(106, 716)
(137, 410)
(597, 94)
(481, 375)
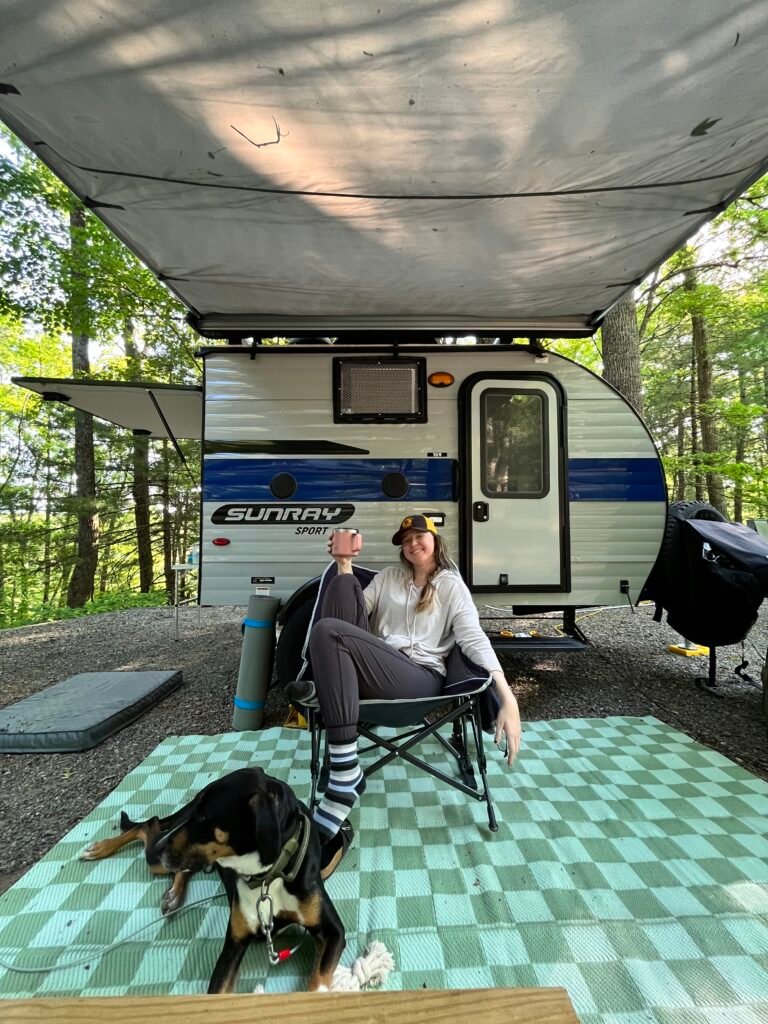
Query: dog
(261, 839)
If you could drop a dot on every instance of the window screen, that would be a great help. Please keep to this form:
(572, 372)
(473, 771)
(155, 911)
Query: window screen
(391, 390)
(514, 448)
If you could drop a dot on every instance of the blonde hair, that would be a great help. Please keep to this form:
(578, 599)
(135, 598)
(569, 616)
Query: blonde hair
(442, 561)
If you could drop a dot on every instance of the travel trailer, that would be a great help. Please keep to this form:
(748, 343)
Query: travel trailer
(544, 481)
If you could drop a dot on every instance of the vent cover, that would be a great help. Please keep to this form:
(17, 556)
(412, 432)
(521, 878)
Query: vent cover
(375, 390)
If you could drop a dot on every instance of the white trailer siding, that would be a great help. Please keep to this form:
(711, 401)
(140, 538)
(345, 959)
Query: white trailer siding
(292, 560)
(278, 401)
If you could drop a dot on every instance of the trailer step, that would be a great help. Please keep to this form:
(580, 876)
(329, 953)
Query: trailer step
(536, 644)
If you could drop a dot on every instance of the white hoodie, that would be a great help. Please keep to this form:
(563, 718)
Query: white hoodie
(427, 638)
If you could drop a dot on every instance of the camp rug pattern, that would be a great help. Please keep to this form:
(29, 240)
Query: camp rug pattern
(630, 867)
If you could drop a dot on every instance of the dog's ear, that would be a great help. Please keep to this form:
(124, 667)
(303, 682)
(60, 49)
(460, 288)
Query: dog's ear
(256, 777)
(274, 810)
(286, 804)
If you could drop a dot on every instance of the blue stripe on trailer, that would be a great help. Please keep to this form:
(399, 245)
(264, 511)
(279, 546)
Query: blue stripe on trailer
(615, 480)
(249, 705)
(429, 479)
(258, 623)
(327, 479)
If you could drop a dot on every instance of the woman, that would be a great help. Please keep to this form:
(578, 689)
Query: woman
(389, 641)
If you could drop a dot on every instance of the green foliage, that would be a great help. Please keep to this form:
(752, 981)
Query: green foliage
(584, 351)
(115, 601)
(729, 295)
(137, 330)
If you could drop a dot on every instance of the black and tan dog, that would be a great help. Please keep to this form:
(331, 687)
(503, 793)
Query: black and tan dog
(261, 839)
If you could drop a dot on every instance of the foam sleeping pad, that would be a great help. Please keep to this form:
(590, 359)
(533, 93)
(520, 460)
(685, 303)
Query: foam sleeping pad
(81, 711)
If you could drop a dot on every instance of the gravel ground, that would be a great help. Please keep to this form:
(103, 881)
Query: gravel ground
(626, 671)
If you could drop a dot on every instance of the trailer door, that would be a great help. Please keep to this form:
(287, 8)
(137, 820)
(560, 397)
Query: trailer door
(515, 512)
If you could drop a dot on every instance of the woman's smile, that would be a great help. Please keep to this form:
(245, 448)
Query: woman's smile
(419, 548)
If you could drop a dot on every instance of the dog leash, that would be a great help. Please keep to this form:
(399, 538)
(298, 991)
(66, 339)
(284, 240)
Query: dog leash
(104, 950)
(297, 845)
(278, 956)
(295, 849)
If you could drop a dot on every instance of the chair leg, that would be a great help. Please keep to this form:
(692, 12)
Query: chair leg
(325, 771)
(459, 742)
(314, 758)
(477, 728)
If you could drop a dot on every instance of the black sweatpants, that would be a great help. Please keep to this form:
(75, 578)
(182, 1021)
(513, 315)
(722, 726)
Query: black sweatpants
(349, 663)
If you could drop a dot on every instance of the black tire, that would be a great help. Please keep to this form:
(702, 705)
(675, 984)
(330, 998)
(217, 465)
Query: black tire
(661, 579)
(677, 513)
(695, 510)
(288, 659)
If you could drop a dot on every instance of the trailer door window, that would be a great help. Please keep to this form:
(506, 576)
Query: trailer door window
(379, 390)
(514, 446)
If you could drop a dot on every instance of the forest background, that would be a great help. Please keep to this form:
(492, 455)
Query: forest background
(92, 518)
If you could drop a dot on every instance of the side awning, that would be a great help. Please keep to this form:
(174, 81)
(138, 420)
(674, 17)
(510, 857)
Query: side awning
(169, 411)
(444, 166)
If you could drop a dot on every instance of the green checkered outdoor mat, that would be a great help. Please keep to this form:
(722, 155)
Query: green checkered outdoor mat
(630, 867)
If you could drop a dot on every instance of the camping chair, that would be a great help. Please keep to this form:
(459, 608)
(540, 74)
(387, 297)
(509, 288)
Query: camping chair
(466, 701)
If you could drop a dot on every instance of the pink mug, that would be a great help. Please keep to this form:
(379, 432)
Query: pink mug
(346, 542)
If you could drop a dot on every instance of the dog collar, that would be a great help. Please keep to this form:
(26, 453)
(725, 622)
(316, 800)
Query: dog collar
(289, 860)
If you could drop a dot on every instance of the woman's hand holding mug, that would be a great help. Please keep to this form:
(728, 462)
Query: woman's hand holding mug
(343, 545)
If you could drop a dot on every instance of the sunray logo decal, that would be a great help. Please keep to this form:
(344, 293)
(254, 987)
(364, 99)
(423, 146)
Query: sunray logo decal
(254, 514)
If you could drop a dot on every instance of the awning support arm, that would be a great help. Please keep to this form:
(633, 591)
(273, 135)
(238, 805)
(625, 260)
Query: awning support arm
(171, 435)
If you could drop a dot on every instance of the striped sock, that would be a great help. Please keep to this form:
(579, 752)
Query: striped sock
(346, 782)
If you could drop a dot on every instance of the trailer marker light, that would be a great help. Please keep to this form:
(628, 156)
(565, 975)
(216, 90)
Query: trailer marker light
(441, 379)
(221, 542)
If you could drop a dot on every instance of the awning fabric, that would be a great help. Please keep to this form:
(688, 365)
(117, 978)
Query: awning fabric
(156, 410)
(463, 164)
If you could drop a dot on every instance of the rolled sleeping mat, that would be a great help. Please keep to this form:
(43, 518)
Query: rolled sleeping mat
(256, 662)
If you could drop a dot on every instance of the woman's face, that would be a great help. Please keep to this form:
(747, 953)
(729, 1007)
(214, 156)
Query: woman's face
(419, 548)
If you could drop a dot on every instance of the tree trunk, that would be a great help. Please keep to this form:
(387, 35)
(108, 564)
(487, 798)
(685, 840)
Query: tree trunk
(698, 479)
(621, 352)
(4, 617)
(710, 441)
(167, 531)
(13, 575)
(140, 491)
(741, 448)
(140, 484)
(680, 472)
(107, 529)
(47, 520)
(81, 582)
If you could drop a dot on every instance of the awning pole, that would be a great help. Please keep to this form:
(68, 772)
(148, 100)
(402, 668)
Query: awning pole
(171, 435)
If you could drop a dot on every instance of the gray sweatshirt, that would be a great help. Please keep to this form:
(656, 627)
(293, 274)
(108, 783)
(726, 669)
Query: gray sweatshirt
(427, 638)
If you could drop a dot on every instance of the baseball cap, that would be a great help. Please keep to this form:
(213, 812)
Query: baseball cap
(422, 523)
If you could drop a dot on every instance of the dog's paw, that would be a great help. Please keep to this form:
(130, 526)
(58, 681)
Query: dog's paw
(259, 990)
(171, 901)
(93, 852)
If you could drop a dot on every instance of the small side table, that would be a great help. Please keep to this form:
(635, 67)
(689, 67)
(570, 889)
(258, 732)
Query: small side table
(178, 571)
